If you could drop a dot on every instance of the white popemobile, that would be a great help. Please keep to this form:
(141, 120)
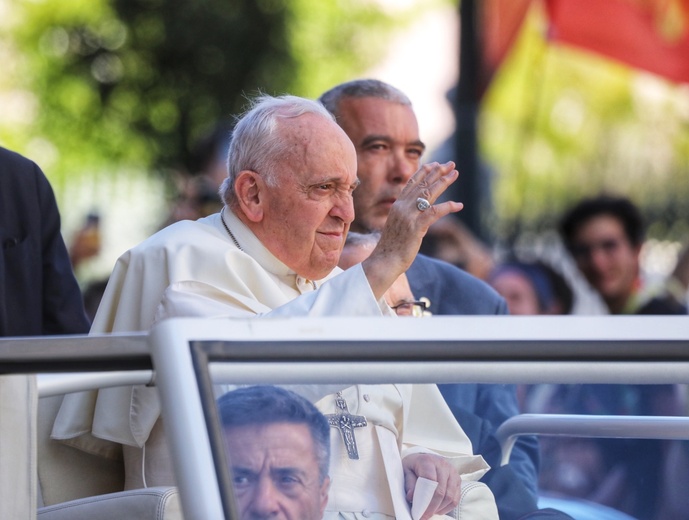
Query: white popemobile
(192, 356)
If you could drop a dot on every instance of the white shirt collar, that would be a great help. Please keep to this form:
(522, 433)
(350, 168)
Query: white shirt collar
(251, 245)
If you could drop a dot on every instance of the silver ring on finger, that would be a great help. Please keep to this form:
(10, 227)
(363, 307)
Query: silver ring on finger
(422, 204)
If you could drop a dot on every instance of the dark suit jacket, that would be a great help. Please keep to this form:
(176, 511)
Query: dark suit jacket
(452, 290)
(455, 292)
(38, 292)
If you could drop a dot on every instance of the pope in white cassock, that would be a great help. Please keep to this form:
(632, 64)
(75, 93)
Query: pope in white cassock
(273, 251)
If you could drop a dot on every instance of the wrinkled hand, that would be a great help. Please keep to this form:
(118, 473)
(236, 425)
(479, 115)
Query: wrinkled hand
(406, 225)
(436, 468)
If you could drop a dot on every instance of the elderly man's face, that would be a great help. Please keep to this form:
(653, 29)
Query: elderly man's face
(388, 148)
(308, 214)
(275, 472)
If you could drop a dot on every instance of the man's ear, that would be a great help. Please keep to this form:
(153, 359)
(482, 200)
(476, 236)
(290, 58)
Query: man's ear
(249, 189)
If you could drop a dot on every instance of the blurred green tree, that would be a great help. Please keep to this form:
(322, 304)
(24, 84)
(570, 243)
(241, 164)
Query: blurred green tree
(135, 83)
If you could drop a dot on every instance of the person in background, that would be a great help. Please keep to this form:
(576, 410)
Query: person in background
(38, 296)
(278, 445)
(380, 121)
(529, 291)
(604, 235)
(196, 197)
(451, 240)
(532, 288)
(678, 283)
(86, 243)
(197, 190)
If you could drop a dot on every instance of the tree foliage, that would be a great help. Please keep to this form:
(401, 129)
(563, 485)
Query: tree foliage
(117, 84)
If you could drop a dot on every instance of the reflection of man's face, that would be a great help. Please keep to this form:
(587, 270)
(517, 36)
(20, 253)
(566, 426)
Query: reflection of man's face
(308, 213)
(606, 258)
(275, 472)
(388, 148)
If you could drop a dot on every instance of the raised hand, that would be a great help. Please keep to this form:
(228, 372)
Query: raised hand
(410, 217)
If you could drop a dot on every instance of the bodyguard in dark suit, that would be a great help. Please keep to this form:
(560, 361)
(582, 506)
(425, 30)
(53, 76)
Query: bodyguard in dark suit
(39, 294)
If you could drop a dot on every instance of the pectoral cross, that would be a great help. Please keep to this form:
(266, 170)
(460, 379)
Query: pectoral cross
(346, 422)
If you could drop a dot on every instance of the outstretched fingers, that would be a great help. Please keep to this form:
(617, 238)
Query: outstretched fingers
(427, 184)
(429, 175)
(408, 221)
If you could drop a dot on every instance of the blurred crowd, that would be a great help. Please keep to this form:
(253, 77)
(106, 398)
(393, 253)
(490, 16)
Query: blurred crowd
(603, 237)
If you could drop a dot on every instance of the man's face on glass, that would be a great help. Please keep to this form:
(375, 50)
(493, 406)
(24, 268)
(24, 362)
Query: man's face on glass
(275, 472)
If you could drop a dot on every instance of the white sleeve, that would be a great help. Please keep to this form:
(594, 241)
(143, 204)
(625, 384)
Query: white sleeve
(430, 427)
(347, 294)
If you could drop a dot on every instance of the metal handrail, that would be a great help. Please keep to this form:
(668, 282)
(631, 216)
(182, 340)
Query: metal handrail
(478, 349)
(605, 426)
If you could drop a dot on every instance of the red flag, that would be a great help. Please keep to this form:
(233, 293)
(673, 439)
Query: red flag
(500, 23)
(652, 35)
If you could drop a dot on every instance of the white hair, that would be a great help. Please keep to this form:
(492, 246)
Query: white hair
(256, 143)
